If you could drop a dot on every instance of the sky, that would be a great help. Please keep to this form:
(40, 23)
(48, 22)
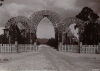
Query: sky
(65, 8)
(46, 29)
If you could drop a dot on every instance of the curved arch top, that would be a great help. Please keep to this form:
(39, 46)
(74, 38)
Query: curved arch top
(65, 23)
(38, 16)
(19, 19)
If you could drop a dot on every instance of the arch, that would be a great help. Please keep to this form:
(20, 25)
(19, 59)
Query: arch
(34, 20)
(64, 27)
(52, 16)
(13, 23)
(19, 19)
(38, 16)
(68, 21)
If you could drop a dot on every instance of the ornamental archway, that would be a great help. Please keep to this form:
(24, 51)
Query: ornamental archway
(38, 16)
(13, 22)
(64, 26)
(19, 19)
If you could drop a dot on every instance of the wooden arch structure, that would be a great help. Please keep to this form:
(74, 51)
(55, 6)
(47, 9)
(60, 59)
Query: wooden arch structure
(34, 20)
(65, 23)
(60, 25)
(13, 24)
(19, 19)
(39, 15)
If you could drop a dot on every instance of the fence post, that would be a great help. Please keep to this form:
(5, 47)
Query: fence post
(60, 46)
(98, 49)
(80, 47)
(36, 47)
(16, 46)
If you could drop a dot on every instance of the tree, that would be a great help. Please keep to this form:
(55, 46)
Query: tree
(52, 42)
(91, 28)
(83, 15)
(90, 34)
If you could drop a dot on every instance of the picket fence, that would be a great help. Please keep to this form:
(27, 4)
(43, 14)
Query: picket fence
(10, 48)
(70, 48)
(91, 49)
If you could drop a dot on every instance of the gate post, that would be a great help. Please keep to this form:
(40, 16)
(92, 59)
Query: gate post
(59, 41)
(36, 46)
(16, 46)
(98, 49)
(60, 46)
(80, 47)
(63, 38)
(56, 38)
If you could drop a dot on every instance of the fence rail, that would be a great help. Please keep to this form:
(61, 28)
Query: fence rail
(10, 48)
(70, 48)
(91, 49)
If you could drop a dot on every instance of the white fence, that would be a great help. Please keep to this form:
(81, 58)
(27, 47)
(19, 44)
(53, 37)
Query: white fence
(91, 49)
(70, 48)
(7, 48)
(25, 47)
(4, 48)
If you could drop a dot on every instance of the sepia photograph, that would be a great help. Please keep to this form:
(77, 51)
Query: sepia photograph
(49, 35)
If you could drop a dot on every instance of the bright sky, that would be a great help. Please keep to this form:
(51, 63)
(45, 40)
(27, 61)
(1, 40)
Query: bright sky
(1, 30)
(46, 29)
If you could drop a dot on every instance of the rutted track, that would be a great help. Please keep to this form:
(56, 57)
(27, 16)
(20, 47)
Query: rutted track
(60, 61)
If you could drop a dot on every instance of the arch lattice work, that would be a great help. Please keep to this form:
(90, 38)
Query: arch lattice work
(38, 16)
(19, 19)
(65, 23)
(35, 19)
(64, 26)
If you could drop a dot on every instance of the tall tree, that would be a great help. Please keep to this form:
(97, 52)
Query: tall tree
(90, 34)
(84, 14)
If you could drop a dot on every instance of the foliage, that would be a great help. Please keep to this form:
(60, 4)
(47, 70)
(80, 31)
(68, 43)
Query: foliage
(90, 35)
(14, 33)
(52, 42)
(3, 39)
(83, 15)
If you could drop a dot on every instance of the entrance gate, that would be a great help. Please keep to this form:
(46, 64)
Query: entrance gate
(52, 16)
(32, 23)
